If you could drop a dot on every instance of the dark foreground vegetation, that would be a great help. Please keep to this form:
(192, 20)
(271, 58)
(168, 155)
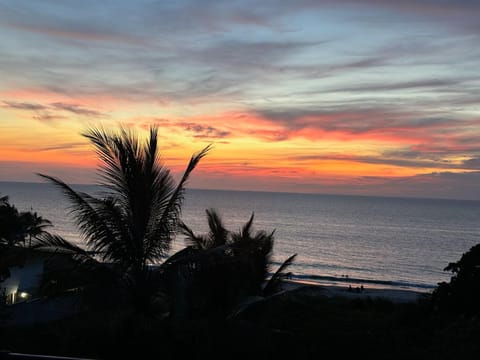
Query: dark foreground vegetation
(215, 297)
(301, 323)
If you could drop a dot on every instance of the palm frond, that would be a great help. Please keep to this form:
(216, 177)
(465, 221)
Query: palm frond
(52, 242)
(151, 149)
(245, 233)
(187, 254)
(90, 222)
(166, 224)
(159, 233)
(109, 171)
(117, 246)
(196, 241)
(279, 275)
(218, 233)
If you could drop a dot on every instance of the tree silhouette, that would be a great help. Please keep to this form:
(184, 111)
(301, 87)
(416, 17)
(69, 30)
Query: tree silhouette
(16, 226)
(12, 227)
(34, 225)
(219, 270)
(132, 225)
(462, 293)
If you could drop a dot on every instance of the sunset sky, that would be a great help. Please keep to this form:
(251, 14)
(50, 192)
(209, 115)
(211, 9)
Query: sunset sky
(366, 97)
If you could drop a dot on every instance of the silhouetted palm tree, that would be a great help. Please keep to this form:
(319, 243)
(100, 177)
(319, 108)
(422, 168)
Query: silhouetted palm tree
(218, 270)
(133, 225)
(34, 225)
(218, 235)
(16, 226)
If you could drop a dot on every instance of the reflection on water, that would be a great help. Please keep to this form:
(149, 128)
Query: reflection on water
(403, 242)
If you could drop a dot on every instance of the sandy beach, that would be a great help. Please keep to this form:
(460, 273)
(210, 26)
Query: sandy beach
(393, 295)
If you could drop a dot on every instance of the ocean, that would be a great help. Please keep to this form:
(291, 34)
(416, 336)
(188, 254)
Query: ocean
(373, 241)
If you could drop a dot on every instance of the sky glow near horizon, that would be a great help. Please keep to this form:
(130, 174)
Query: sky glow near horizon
(354, 97)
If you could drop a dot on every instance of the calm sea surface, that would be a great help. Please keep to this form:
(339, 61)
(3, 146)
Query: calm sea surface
(383, 242)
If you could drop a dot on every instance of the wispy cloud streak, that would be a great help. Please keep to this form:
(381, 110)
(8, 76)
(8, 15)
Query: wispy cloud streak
(52, 111)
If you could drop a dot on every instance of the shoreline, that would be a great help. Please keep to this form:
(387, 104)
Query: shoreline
(393, 295)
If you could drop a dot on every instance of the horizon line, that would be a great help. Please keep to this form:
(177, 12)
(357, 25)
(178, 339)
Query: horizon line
(276, 192)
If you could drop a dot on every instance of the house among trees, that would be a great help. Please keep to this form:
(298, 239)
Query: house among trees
(21, 266)
(22, 272)
(25, 286)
